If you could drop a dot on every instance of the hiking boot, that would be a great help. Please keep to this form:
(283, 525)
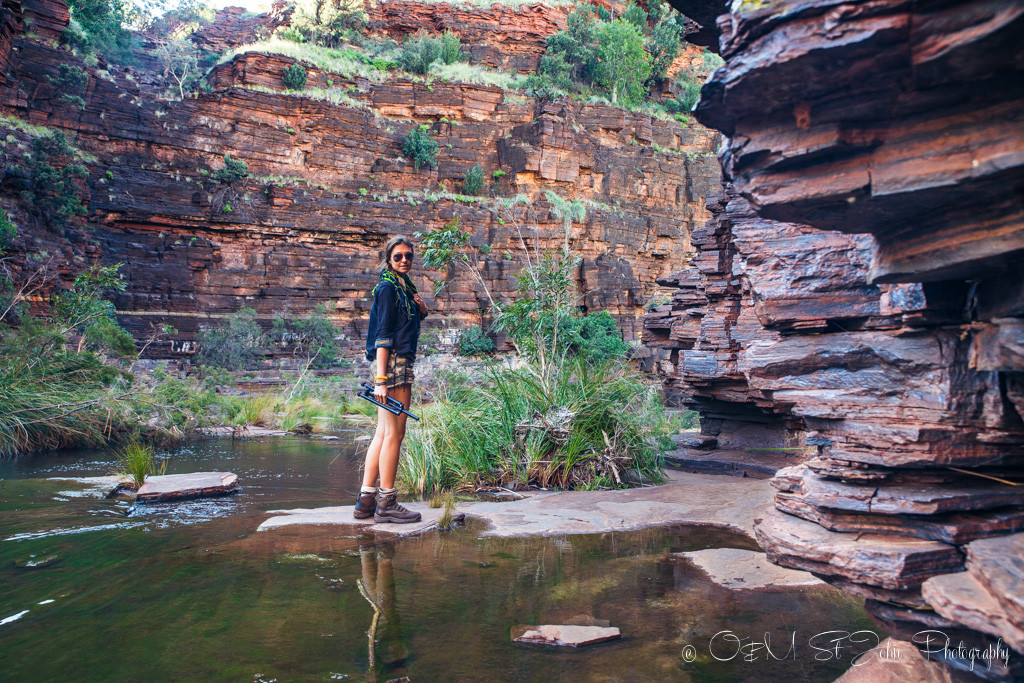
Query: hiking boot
(388, 510)
(366, 505)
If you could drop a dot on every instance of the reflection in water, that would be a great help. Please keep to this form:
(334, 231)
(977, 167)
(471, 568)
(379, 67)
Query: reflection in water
(386, 645)
(197, 580)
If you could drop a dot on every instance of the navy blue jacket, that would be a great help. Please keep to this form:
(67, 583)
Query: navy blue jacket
(392, 324)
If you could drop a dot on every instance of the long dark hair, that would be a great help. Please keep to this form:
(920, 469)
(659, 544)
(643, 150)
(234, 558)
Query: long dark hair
(385, 261)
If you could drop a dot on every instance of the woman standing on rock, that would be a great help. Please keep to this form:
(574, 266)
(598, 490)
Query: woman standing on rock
(391, 347)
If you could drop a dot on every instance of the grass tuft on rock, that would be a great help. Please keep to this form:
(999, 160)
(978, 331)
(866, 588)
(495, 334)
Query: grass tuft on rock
(593, 425)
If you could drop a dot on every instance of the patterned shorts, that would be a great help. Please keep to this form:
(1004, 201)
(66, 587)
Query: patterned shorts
(399, 370)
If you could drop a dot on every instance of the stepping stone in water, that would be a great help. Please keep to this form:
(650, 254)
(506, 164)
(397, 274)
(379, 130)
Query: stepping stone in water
(737, 569)
(182, 486)
(565, 635)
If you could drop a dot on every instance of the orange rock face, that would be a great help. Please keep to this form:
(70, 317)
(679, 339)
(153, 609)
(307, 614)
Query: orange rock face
(513, 38)
(329, 184)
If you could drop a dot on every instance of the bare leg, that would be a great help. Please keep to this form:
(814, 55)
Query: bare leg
(372, 466)
(394, 434)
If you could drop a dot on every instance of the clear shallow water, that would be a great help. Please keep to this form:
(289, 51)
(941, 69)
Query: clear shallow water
(97, 590)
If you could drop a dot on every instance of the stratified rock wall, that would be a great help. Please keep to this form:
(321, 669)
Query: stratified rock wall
(329, 184)
(861, 292)
(510, 37)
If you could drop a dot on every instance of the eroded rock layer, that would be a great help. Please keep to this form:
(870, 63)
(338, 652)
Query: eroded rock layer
(860, 294)
(328, 183)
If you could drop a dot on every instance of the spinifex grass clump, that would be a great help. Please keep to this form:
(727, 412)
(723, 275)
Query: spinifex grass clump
(589, 425)
(51, 397)
(138, 462)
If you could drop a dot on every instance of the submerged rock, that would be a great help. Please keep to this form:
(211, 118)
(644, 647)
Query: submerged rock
(737, 569)
(183, 486)
(566, 635)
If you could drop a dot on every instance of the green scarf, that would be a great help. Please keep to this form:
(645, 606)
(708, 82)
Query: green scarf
(405, 293)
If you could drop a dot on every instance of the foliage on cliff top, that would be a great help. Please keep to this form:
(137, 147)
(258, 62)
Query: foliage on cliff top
(332, 60)
(103, 26)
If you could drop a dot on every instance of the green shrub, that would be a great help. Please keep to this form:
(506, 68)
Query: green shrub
(635, 15)
(40, 379)
(421, 147)
(419, 52)
(235, 346)
(7, 232)
(294, 77)
(603, 14)
(688, 97)
(473, 342)
(473, 181)
(326, 22)
(69, 82)
(451, 48)
(312, 337)
(233, 169)
(596, 336)
(52, 179)
(575, 47)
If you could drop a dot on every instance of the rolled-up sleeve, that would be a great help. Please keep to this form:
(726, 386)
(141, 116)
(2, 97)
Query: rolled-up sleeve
(387, 318)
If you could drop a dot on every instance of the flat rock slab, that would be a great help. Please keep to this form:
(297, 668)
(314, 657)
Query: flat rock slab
(342, 515)
(926, 499)
(565, 635)
(183, 486)
(961, 598)
(955, 528)
(890, 562)
(895, 661)
(740, 570)
(684, 499)
(998, 563)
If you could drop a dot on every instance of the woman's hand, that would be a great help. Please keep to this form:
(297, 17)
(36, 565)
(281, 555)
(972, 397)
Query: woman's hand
(419, 302)
(380, 392)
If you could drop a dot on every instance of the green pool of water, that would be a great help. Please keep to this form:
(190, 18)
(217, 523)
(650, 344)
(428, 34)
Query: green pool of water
(99, 590)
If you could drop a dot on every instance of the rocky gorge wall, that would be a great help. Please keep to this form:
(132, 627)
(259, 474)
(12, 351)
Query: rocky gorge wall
(859, 297)
(328, 183)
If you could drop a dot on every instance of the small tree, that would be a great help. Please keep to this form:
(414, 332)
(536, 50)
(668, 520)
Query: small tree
(447, 247)
(624, 64)
(180, 60)
(84, 310)
(473, 181)
(420, 146)
(294, 77)
(577, 44)
(663, 45)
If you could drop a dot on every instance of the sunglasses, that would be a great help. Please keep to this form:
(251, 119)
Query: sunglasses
(402, 256)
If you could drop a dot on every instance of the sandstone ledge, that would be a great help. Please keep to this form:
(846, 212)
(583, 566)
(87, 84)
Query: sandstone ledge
(686, 499)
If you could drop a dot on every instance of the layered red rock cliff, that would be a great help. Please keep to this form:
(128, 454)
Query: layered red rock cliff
(861, 294)
(328, 184)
